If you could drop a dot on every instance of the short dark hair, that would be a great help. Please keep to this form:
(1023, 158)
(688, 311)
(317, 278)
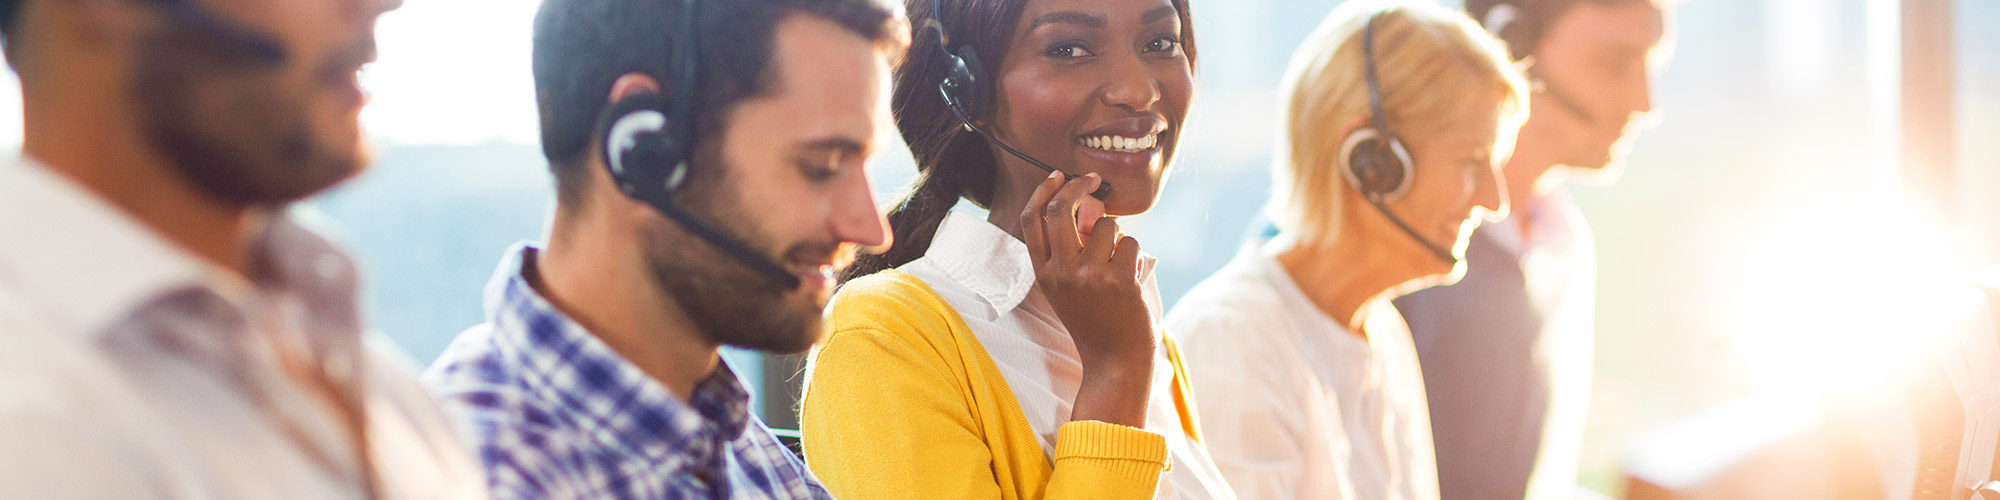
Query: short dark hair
(1524, 33)
(582, 46)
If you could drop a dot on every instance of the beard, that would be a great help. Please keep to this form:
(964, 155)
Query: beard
(226, 124)
(729, 302)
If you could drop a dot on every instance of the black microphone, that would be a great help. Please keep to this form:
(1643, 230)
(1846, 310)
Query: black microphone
(257, 46)
(1441, 252)
(641, 162)
(730, 246)
(1103, 187)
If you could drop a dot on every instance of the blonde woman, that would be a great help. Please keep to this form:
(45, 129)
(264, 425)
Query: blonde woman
(1396, 120)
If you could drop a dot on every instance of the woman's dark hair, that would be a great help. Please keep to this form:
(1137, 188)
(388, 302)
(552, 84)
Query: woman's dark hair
(952, 162)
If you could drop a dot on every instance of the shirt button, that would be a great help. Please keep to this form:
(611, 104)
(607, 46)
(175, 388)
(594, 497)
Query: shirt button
(328, 266)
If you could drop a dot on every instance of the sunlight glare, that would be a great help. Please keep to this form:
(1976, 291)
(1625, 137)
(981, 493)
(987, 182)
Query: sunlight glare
(1845, 296)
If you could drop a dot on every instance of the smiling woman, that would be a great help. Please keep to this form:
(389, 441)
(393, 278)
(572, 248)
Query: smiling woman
(1041, 316)
(1397, 118)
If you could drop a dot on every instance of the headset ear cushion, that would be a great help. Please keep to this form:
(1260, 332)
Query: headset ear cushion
(1376, 164)
(638, 145)
(971, 87)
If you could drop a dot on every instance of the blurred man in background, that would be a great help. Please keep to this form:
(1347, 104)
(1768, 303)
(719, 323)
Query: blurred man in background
(1506, 352)
(170, 330)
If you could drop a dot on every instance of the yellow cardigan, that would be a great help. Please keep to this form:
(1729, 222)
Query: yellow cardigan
(901, 402)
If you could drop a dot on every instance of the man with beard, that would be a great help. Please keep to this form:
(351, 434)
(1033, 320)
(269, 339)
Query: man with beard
(709, 163)
(170, 329)
(1506, 352)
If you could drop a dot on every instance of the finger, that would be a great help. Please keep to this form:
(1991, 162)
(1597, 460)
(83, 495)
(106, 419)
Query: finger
(1089, 212)
(1127, 255)
(1031, 219)
(1102, 242)
(1059, 216)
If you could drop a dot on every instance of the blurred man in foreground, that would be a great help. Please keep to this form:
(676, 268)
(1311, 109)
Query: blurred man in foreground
(170, 330)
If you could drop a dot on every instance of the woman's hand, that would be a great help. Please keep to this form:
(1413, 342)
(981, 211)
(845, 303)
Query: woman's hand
(1091, 279)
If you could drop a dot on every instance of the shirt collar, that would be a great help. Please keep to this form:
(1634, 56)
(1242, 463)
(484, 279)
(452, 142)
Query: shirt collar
(615, 401)
(1551, 218)
(92, 265)
(989, 262)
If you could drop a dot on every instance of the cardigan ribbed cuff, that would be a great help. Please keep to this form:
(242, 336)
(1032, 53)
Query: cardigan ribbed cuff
(1120, 449)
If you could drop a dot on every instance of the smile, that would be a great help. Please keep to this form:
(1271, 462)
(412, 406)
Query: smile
(1119, 144)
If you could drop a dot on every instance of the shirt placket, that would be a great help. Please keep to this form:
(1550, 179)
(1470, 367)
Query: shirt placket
(217, 335)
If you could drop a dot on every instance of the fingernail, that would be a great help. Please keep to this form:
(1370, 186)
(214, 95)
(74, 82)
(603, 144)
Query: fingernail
(1092, 175)
(1054, 174)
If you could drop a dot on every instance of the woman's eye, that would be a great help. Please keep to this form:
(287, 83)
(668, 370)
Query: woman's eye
(1069, 51)
(1167, 44)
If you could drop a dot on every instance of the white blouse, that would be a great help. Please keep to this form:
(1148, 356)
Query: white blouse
(988, 277)
(1293, 405)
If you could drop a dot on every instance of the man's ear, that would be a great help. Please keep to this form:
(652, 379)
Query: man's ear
(631, 84)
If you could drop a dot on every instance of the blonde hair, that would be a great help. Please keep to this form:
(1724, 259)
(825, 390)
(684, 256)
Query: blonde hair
(1432, 62)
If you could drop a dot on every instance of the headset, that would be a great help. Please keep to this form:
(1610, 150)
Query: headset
(966, 94)
(1376, 162)
(259, 47)
(1504, 21)
(649, 148)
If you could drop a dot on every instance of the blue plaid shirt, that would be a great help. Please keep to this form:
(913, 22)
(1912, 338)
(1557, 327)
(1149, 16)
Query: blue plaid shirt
(557, 414)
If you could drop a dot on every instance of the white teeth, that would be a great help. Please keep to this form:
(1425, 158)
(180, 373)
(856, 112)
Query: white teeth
(1121, 144)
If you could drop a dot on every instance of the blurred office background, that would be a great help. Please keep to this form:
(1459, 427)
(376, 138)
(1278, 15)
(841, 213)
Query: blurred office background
(1757, 247)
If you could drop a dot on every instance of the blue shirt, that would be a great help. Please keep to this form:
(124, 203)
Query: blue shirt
(557, 414)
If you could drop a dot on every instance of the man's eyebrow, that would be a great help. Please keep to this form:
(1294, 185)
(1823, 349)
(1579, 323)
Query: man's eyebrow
(1068, 17)
(1155, 15)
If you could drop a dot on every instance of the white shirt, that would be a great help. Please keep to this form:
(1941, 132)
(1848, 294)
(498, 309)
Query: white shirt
(1293, 405)
(988, 277)
(132, 369)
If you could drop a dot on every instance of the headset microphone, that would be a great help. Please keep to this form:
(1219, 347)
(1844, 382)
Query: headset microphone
(1103, 188)
(1441, 252)
(259, 47)
(649, 146)
(1565, 101)
(1377, 164)
(1504, 21)
(965, 92)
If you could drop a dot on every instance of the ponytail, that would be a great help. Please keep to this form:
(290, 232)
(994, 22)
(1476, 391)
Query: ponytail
(962, 168)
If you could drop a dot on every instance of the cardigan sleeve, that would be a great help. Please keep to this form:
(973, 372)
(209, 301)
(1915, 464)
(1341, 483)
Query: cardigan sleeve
(878, 421)
(890, 412)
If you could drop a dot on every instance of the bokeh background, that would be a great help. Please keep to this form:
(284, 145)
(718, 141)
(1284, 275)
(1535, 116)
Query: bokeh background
(1758, 246)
